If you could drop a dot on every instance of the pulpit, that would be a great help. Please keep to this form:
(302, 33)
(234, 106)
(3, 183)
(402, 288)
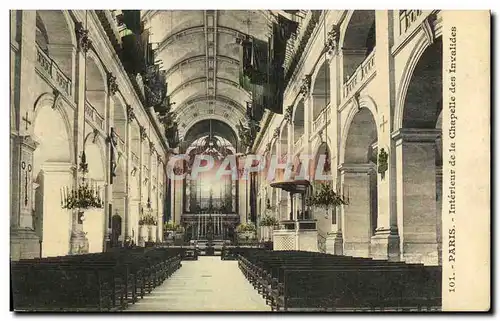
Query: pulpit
(299, 232)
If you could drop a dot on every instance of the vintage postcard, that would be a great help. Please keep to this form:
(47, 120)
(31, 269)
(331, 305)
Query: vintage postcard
(250, 160)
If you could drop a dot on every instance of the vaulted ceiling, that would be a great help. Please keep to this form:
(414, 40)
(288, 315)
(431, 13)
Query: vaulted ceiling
(201, 56)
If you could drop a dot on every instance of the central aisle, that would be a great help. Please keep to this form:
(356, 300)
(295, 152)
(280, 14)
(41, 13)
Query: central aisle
(209, 284)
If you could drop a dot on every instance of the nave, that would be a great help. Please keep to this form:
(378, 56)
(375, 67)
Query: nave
(206, 284)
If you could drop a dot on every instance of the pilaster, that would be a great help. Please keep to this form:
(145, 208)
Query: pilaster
(416, 194)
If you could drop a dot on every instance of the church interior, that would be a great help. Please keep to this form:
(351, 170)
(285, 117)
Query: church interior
(329, 121)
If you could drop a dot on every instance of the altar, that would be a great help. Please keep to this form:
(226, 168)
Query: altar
(214, 226)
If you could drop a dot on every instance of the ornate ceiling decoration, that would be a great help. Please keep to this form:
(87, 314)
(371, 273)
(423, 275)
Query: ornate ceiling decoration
(201, 57)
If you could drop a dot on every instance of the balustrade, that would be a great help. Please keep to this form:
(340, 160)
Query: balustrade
(322, 119)
(299, 142)
(50, 69)
(407, 18)
(92, 114)
(360, 76)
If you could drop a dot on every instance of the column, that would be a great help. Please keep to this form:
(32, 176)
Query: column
(159, 203)
(308, 119)
(334, 240)
(108, 195)
(439, 203)
(142, 176)
(416, 194)
(152, 153)
(59, 225)
(24, 243)
(356, 229)
(24, 240)
(385, 243)
(128, 169)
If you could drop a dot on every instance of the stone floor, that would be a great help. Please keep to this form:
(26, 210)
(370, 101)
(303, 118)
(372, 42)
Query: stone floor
(208, 284)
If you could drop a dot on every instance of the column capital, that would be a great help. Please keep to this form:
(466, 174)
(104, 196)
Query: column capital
(288, 114)
(130, 113)
(82, 37)
(332, 42)
(276, 132)
(305, 87)
(112, 84)
(356, 168)
(143, 133)
(416, 135)
(29, 141)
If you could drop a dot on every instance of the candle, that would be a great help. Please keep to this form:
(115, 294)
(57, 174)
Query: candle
(61, 191)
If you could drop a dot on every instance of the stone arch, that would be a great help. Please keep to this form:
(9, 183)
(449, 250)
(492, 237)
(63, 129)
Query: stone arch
(357, 40)
(135, 139)
(359, 179)
(418, 146)
(321, 89)
(120, 117)
(52, 171)
(93, 224)
(201, 118)
(95, 83)
(120, 190)
(298, 120)
(364, 102)
(283, 140)
(55, 34)
(48, 103)
(420, 47)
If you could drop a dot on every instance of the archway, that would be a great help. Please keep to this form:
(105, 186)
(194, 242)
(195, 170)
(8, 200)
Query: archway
(52, 171)
(119, 197)
(321, 90)
(134, 183)
(120, 121)
(419, 158)
(94, 221)
(298, 124)
(359, 184)
(95, 89)
(322, 165)
(56, 37)
(358, 41)
(282, 159)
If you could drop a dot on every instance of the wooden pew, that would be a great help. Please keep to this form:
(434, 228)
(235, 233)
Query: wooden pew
(313, 281)
(103, 281)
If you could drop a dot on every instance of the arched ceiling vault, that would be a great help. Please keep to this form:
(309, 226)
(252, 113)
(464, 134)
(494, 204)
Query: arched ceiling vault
(201, 57)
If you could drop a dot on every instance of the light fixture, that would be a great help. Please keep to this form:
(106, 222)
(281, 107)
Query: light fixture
(85, 195)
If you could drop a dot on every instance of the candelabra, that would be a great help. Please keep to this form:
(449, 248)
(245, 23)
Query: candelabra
(85, 195)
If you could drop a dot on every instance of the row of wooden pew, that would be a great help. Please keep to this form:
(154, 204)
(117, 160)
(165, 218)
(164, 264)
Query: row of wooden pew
(310, 281)
(107, 281)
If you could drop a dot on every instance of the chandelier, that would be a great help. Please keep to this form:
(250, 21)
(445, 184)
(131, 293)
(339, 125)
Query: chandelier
(85, 196)
(147, 217)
